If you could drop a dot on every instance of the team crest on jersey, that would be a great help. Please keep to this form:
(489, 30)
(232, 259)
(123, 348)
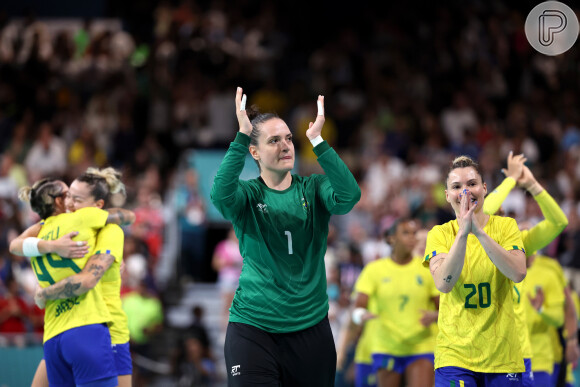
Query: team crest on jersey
(419, 280)
(263, 208)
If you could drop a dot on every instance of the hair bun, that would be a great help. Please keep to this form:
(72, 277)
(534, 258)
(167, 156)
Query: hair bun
(253, 112)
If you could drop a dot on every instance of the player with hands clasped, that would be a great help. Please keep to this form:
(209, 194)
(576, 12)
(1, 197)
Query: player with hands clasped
(278, 331)
(475, 261)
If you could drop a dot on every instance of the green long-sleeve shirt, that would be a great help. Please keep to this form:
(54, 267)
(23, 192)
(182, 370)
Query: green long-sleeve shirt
(283, 236)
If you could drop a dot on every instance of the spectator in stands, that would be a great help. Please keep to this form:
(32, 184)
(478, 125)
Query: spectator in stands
(47, 157)
(227, 261)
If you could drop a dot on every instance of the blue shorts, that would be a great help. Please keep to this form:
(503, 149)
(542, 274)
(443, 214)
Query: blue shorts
(528, 375)
(542, 378)
(397, 363)
(364, 376)
(460, 377)
(123, 362)
(81, 356)
(556, 373)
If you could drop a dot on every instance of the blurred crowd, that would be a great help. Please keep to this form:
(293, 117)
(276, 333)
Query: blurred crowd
(405, 92)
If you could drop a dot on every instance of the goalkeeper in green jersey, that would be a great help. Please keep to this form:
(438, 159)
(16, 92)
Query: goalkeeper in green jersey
(278, 330)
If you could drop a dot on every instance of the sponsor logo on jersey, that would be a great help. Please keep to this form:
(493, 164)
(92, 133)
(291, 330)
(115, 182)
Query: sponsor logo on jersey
(236, 370)
(263, 208)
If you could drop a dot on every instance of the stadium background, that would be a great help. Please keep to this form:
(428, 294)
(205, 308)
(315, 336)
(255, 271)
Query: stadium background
(148, 87)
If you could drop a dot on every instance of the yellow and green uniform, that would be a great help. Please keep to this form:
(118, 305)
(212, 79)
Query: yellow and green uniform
(553, 265)
(521, 319)
(401, 293)
(476, 318)
(551, 315)
(89, 308)
(110, 241)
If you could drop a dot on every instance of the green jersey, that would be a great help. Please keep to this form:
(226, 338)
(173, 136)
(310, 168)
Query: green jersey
(283, 237)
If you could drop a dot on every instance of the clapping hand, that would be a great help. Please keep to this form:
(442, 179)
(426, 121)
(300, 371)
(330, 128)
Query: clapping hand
(515, 166)
(466, 209)
(315, 128)
(538, 300)
(243, 120)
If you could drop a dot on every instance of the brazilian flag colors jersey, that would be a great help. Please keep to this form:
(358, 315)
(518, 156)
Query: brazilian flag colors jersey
(521, 319)
(401, 293)
(476, 319)
(110, 241)
(89, 308)
(282, 236)
(542, 325)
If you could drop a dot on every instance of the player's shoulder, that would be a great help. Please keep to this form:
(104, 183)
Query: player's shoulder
(112, 228)
(378, 263)
(502, 221)
(450, 227)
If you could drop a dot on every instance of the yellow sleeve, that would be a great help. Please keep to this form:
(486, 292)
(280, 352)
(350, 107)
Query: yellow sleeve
(436, 244)
(493, 201)
(548, 229)
(365, 282)
(110, 241)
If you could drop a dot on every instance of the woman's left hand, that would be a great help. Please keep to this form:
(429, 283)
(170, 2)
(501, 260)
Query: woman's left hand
(315, 128)
(39, 299)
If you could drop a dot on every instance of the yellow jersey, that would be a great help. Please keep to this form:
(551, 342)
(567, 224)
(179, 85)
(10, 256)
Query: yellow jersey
(521, 320)
(477, 318)
(553, 265)
(89, 308)
(551, 314)
(401, 293)
(110, 241)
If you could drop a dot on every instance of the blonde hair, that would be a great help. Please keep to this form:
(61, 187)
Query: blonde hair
(464, 162)
(103, 183)
(111, 176)
(24, 194)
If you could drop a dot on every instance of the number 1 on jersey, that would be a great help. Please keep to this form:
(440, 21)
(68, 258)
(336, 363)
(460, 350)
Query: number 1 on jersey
(289, 235)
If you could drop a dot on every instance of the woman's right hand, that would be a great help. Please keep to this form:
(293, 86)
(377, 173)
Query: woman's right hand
(243, 120)
(466, 210)
(66, 247)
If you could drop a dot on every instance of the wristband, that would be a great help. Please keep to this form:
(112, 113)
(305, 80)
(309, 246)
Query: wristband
(317, 140)
(243, 104)
(572, 337)
(30, 247)
(357, 315)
